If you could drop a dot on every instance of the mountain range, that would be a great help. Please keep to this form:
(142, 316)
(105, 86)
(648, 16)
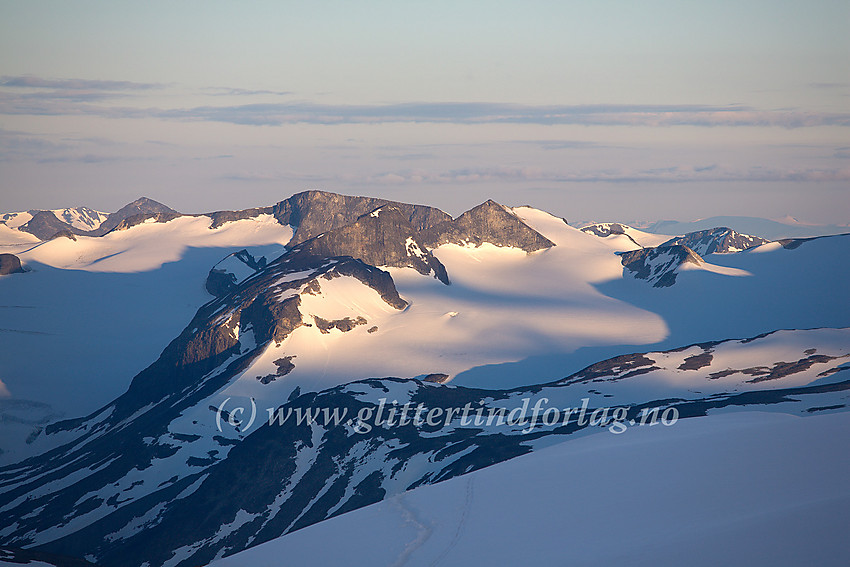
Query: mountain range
(138, 343)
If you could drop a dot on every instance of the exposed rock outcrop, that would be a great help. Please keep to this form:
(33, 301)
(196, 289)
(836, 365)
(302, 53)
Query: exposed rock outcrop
(10, 264)
(719, 240)
(44, 225)
(138, 211)
(134, 220)
(603, 229)
(792, 243)
(488, 222)
(227, 274)
(658, 265)
(314, 212)
(382, 237)
(65, 233)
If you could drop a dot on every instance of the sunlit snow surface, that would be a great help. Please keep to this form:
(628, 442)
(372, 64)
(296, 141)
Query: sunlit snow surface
(91, 313)
(96, 311)
(736, 489)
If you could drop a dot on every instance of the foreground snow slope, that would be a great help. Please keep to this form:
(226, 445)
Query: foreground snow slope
(737, 489)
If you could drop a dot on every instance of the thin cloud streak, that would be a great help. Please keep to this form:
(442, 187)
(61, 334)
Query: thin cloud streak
(271, 114)
(31, 82)
(230, 91)
(496, 113)
(676, 174)
(508, 174)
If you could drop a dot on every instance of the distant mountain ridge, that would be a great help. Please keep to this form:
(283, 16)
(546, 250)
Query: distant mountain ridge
(721, 240)
(82, 221)
(765, 228)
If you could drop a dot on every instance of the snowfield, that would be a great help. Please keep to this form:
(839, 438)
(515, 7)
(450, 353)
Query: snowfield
(752, 347)
(91, 313)
(741, 489)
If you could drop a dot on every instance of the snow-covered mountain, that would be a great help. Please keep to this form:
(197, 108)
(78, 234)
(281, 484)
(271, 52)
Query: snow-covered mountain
(147, 468)
(114, 437)
(46, 225)
(81, 218)
(721, 240)
(615, 231)
(766, 228)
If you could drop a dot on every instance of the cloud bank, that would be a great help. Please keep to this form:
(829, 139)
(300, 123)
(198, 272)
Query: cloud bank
(26, 95)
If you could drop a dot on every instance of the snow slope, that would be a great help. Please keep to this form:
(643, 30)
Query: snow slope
(93, 312)
(503, 306)
(621, 234)
(285, 476)
(741, 489)
(732, 295)
(509, 319)
(82, 218)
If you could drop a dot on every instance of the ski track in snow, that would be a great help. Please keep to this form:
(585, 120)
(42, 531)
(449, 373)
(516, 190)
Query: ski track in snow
(470, 485)
(423, 531)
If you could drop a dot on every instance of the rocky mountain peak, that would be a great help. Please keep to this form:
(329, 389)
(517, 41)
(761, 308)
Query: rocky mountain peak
(314, 212)
(658, 265)
(382, 237)
(136, 211)
(488, 222)
(719, 240)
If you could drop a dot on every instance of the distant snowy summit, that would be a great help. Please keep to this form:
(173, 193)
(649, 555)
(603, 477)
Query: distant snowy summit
(766, 228)
(82, 221)
(720, 240)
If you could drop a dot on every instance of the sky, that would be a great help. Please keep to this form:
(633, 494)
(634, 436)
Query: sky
(605, 110)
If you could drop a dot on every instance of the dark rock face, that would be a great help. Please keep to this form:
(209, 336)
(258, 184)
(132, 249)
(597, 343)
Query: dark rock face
(344, 325)
(717, 241)
(658, 265)
(488, 222)
(134, 220)
(10, 556)
(44, 225)
(10, 264)
(604, 229)
(383, 237)
(221, 217)
(284, 367)
(314, 212)
(64, 234)
(139, 210)
(793, 243)
(220, 281)
(436, 378)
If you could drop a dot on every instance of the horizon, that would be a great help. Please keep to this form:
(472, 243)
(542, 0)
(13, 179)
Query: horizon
(576, 222)
(610, 112)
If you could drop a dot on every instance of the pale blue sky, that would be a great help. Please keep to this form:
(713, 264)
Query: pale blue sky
(592, 110)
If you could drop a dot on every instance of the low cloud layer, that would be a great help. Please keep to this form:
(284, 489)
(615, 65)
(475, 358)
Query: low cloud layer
(26, 95)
